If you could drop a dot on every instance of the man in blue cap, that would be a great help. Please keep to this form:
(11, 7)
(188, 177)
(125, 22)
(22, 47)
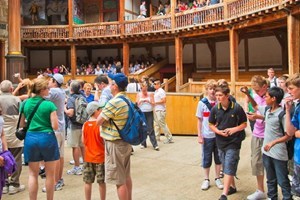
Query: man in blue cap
(117, 155)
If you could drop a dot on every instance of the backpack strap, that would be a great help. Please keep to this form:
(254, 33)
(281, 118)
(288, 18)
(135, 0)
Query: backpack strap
(127, 102)
(206, 102)
(280, 116)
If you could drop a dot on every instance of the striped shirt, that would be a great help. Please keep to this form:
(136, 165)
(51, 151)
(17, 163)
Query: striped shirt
(117, 110)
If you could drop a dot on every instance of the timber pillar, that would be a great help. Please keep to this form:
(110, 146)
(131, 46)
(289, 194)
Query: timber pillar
(178, 60)
(126, 52)
(234, 58)
(73, 61)
(293, 28)
(14, 57)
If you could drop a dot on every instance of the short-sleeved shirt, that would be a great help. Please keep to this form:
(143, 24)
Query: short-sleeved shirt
(58, 96)
(116, 109)
(90, 98)
(159, 94)
(1, 132)
(93, 143)
(259, 126)
(229, 118)
(105, 95)
(203, 112)
(41, 120)
(274, 131)
(296, 123)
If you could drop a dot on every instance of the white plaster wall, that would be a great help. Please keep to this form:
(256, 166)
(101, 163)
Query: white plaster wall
(59, 57)
(203, 56)
(159, 50)
(39, 59)
(138, 51)
(264, 51)
(81, 54)
(242, 53)
(103, 53)
(223, 54)
(133, 6)
(187, 53)
(172, 54)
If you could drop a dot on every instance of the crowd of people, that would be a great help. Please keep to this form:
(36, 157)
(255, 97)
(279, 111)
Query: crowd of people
(271, 107)
(49, 113)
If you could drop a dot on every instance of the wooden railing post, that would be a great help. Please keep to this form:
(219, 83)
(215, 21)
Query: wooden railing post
(166, 84)
(225, 8)
(179, 68)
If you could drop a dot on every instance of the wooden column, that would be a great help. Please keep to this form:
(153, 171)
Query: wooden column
(246, 49)
(126, 52)
(70, 17)
(122, 16)
(178, 60)
(173, 22)
(73, 61)
(2, 60)
(15, 59)
(234, 58)
(293, 43)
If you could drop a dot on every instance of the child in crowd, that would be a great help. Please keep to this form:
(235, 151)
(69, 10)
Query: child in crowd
(94, 152)
(293, 129)
(228, 120)
(207, 137)
(274, 149)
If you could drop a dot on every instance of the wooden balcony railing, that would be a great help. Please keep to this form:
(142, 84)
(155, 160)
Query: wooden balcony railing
(43, 32)
(223, 12)
(97, 30)
(200, 16)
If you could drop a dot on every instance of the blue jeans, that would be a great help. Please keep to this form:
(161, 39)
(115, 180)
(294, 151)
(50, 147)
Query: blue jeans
(209, 148)
(149, 119)
(296, 180)
(277, 172)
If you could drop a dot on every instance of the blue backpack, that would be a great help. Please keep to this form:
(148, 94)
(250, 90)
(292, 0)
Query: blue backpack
(135, 130)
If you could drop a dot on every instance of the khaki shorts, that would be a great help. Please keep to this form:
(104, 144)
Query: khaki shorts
(60, 136)
(117, 162)
(74, 136)
(92, 170)
(256, 156)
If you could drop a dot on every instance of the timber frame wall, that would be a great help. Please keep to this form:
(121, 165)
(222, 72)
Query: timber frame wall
(230, 19)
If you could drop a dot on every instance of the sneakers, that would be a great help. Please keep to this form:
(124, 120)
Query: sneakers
(156, 148)
(257, 195)
(223, 197)
(14, 190)
(221, 174)
(205, 184)
(75, 171)
(143, 147)
(231, 190)
(168, 141)
(42, 173)
(296, 197)
(5, 190)
(72, 162)
(219, 183)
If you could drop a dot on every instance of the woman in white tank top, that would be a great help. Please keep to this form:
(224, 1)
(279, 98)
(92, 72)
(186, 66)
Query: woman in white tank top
(145, 102)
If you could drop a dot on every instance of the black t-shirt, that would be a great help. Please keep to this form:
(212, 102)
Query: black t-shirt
(233, 116)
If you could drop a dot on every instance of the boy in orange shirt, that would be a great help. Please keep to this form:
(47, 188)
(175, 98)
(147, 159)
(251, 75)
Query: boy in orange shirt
(94, 152)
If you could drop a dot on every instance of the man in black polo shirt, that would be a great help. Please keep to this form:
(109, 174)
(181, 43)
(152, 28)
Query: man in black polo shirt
(228, 120)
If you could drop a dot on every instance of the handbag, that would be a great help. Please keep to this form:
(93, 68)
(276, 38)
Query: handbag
(21, 132)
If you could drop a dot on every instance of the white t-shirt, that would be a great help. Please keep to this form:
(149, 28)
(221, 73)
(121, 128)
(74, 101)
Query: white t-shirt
(159, 94)
(1, 128)
(133, 87)
(203, 112)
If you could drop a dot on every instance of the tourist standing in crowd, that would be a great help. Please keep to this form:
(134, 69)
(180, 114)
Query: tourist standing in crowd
(293, 129)
(143, 10)
(228, 120)
(117, 152)
(101, 83)
(260, 86)
(74, 129)
(87, 88)
(160, 100)
(93, 166)
(207, 137)
(10, 112)
(272, 78)
(145, 101)
(58, 95)
(40, 142)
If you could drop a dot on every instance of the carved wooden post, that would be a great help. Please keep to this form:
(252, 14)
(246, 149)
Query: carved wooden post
(126, 53)
(178, 60)
(293, 43)
(234, 58)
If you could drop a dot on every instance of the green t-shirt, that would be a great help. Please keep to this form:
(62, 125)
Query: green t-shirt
(250, 107)
(41, 119)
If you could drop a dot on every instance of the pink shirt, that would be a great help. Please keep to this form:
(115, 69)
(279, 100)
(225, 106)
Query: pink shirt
(259, 126)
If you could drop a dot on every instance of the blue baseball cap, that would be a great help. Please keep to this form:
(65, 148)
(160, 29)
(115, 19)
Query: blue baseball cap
(120, 79)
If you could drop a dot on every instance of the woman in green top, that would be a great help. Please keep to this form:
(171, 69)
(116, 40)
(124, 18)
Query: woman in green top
(40, 142)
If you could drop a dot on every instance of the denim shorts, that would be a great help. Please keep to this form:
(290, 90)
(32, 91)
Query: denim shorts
(230, 160)
(40, 146)
(209, 148)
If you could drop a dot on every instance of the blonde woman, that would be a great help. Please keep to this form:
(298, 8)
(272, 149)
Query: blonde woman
(87, 88)
(40, 142)
(145, 101)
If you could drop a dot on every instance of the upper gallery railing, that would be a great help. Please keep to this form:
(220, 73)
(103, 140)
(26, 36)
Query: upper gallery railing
(219, 13)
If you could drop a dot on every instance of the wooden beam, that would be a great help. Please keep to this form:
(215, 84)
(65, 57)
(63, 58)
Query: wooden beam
(234, 57)
(173, 22)
(178, 60)
(70, 17)
(126, 52)
(293, 43)
(281, 37)
(122, 16)
(73, 61)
